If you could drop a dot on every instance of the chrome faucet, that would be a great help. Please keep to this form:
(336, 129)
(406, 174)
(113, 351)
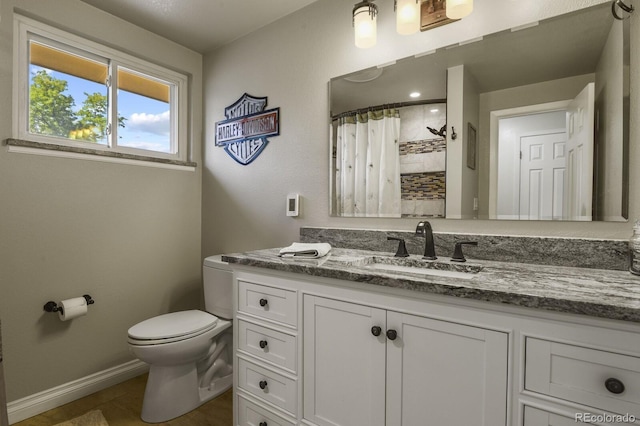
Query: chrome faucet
(424, 228)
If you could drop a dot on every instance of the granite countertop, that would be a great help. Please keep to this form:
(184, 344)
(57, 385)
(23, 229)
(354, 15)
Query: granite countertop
(595, 292)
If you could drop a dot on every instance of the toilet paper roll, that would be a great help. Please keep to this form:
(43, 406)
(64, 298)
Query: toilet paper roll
(72, 308)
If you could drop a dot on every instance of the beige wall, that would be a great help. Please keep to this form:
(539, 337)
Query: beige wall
(471, 114)
(128, 235)
(609, 88)
(291, 62)
(455, 149)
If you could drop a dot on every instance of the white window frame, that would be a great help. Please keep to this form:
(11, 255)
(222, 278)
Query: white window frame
(26, 29)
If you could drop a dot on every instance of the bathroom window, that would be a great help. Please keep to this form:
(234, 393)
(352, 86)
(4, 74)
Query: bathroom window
(82, 95)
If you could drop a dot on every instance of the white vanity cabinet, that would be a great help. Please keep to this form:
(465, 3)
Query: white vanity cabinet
(319, 351)
(365, 365)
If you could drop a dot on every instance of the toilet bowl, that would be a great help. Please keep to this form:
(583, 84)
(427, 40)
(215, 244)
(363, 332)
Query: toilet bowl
(189, 352)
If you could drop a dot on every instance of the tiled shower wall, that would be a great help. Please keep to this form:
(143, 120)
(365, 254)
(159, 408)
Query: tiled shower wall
(422, 161)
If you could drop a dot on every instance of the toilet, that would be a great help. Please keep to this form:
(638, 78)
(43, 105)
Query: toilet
(189, 352)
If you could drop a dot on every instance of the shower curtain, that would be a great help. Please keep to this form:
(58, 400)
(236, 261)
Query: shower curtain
(368, 164)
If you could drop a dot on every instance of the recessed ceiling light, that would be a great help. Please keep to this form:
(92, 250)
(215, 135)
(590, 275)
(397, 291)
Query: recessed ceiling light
(434, 110)
(414, 94)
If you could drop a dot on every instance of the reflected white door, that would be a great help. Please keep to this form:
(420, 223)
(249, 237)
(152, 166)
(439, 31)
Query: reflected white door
(542, 176)
(580, 122)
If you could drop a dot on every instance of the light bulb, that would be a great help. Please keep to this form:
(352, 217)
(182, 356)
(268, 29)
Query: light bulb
(407, 16)
(364, 24)
(458, 9)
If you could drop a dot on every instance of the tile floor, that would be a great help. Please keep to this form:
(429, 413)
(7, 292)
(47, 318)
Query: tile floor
(121, 405)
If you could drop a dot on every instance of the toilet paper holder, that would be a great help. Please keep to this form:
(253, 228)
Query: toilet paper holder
(52, 306)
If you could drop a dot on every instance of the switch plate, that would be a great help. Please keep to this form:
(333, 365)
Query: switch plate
(293, 204)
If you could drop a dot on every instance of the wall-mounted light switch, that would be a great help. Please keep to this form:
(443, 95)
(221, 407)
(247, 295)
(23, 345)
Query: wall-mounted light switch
(293, 204)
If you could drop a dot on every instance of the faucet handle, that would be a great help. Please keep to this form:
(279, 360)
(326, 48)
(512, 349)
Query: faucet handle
(458, 256)
(402, 248)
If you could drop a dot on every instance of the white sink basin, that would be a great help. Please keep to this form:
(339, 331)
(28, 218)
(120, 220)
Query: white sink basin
(416, 266)
(415, 270)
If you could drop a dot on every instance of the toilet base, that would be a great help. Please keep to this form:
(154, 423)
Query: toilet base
(217, 387)
(163, 402)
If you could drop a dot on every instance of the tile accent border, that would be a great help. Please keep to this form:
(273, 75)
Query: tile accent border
(424, 146)
(423, 186)
(576, 252)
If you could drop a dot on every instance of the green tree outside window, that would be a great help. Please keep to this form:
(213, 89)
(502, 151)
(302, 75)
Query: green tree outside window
(51, 111)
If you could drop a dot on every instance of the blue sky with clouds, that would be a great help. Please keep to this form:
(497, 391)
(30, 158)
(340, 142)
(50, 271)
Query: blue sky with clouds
(147, 124)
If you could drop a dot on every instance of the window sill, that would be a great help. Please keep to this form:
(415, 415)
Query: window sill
(39, 148)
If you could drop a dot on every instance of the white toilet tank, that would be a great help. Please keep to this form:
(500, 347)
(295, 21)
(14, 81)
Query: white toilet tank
(218, 284)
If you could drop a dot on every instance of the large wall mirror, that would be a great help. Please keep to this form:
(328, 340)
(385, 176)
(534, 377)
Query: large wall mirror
(526, 124)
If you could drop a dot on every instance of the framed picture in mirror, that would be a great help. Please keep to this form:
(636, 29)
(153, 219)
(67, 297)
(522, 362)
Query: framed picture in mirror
(471, 146)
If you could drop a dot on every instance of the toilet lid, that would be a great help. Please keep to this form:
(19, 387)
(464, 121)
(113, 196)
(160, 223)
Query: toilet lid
(174, 325)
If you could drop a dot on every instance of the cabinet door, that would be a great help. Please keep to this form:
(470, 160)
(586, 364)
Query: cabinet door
(344, 363)
(441, 373)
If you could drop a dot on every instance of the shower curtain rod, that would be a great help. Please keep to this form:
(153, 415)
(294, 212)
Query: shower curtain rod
(390, 105)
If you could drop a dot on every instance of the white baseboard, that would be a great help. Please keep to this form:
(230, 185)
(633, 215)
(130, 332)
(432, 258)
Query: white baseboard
(51, 398)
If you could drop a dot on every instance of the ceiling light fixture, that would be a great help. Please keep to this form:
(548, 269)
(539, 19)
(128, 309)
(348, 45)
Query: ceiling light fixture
(407, 16)
(410, 17)
(414, 94)
(364, 24)
(458, 9)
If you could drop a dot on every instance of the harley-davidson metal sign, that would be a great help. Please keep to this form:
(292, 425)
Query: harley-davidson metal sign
(244, 133)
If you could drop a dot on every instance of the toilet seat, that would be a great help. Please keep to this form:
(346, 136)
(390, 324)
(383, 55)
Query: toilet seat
(171, 327)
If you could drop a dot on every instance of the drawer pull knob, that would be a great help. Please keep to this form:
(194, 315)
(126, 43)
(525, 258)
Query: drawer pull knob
(392, 334)
(614, 386)
(263, 344)
(262, 424)
(263, 384)
(375, 330)
(263, 302)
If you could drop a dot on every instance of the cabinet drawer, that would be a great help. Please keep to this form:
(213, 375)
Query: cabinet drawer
(272, 303)
(250, 414)
(278, 389)
(267, 344)
(579, 374)
(539, 417)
